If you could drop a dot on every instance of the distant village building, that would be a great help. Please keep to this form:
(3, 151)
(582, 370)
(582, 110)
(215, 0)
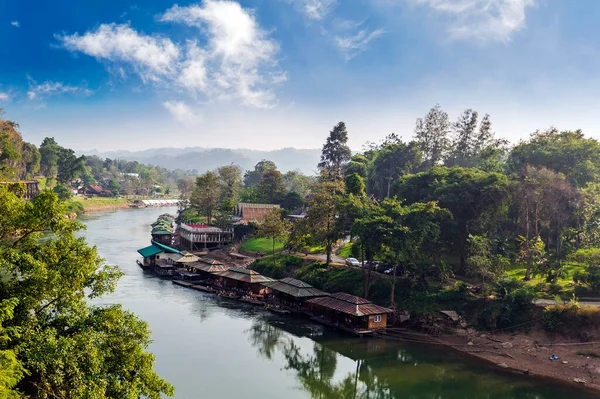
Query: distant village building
(96, 189)
(197, 237)
(27, 189)
(246, 213)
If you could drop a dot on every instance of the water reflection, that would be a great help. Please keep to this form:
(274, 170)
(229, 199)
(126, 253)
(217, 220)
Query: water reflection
(380, 369)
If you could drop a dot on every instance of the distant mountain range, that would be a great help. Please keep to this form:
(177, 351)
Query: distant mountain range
(203, 159)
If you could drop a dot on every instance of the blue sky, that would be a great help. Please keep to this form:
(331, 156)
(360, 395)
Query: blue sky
(267, 74)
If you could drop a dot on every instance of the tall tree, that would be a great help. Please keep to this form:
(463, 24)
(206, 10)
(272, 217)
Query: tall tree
(324, 217)
(295, 181)
(69, 165)
(274, 227)
(69, 347)
(185, 186)
(463, 147)
(392, 161)
(270, 188)
(432, 133)
(335, 153)
(31, 158)
(49, 152)
(230, 180)
(205, 198)
(253, 177)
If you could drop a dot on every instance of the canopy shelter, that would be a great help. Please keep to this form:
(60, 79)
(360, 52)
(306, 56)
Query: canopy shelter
(165, 248)
(187, 258)
(352, 311)
(243, 279)
(292, 292)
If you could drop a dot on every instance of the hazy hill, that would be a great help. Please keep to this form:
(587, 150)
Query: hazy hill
(203, 159)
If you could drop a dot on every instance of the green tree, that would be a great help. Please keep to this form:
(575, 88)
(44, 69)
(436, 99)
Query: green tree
(230, 181)
(475, 198)
(293, 202)
(205, 198)
(270, 188)
(295, 181)
(63, 192)
(390, 162)
(358, 164)
(31, 157)
(432, 134)
(355, 185)
(324, 217)
(69, 166)
(482, 262)
(185, 186)
(274, 227)
(68, 347)
(49, 154)
(566, 152)
(335, 153)
(115, 187)
(253, 177)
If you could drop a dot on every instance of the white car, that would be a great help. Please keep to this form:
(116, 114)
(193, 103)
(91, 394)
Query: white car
(352, 262)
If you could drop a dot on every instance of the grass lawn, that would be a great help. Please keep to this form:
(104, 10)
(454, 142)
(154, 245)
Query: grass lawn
(261, 245)
(345, 251)
(317, 249)
(518, 272)
(99, 202)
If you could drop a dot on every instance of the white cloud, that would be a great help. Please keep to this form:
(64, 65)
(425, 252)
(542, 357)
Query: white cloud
(48, 88)
(152, 57)
(315, 9)
(356, 39)
(4, 96)
(180, 111)
(482, 20)
(232, 57)
(239, 59)
(16, 24)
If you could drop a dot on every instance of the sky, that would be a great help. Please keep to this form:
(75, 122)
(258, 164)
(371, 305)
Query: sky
(268, 74)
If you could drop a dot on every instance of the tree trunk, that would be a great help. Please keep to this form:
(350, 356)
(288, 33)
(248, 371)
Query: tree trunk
(274, 264)
(393, 293)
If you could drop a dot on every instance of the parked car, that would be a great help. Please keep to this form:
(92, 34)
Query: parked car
(389, 271)
(352, 262)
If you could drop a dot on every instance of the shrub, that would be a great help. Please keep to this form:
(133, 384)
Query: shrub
(571, 318)
(513, 307)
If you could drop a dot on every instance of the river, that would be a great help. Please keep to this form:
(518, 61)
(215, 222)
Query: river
(213, 348)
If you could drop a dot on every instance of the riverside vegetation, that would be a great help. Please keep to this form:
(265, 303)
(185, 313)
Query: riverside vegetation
(465, 221)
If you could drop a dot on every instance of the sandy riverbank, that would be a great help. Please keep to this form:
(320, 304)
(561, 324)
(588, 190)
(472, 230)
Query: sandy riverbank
(530, 354)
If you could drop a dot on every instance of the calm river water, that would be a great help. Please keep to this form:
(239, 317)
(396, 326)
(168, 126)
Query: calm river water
(213, 348)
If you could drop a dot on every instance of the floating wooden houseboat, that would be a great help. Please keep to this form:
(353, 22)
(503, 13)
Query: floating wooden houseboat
(349, 313)
(292, 293)
(243, 280)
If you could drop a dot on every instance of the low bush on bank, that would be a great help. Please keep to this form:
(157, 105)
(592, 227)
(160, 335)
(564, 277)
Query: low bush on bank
(283, 266)
(571, 318)
(511, 308)
(75, 207)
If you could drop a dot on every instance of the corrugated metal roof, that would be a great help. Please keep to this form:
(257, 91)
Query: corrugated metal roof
(295, 288)
(149, 251)
(166, 248)
(349, 304)
(244, 275)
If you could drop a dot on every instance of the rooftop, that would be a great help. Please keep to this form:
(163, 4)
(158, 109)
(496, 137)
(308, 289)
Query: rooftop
(349, 304)
(244, 275)
(295, 288)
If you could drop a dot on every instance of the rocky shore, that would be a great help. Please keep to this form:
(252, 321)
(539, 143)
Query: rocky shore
(535, 353)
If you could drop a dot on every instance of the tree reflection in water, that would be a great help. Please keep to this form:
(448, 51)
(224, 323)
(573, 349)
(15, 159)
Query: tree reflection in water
(265, 337)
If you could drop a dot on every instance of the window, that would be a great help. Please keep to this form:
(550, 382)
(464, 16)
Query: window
(377, 319)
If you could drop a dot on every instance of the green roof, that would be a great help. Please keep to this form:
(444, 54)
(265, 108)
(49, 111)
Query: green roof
(165, 248)
(150, 251)
(161, 232)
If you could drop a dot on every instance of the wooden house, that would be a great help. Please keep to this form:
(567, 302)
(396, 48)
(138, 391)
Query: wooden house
(201, 236)
(242, 279)
(349, 312)
(150, 255)
(293, 293)
(255, 213)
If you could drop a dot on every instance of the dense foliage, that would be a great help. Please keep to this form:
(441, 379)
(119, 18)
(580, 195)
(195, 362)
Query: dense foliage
(53, 342)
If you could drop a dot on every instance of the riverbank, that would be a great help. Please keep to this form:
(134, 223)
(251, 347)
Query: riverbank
(94, 204)
(577, 363)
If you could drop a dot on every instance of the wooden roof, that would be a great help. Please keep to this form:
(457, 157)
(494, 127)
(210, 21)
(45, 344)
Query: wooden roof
(295, 288)
(244, 275)
(349, 304)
